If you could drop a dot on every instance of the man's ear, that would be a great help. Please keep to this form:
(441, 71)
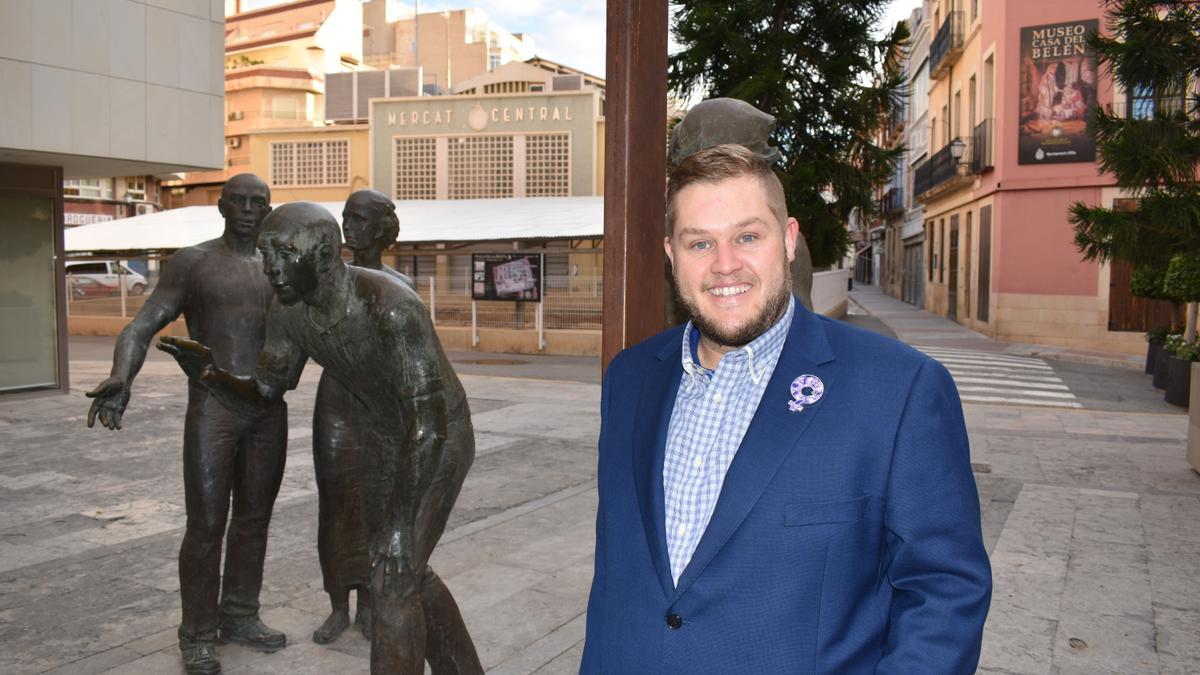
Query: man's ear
(667, 248)
(791, 231)
(221, 208)
(324, 257)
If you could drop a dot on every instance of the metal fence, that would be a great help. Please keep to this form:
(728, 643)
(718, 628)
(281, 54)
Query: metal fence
(573, 286)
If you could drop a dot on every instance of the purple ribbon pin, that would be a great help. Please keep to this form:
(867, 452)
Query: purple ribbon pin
(806, 390)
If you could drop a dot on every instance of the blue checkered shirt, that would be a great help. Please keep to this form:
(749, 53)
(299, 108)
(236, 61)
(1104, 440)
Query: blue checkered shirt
(712, 411)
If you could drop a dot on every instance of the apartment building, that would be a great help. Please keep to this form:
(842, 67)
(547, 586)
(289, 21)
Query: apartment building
(1011, 84)
(91, 89)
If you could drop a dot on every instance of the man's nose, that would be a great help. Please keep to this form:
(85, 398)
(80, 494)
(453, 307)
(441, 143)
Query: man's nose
(725, 259)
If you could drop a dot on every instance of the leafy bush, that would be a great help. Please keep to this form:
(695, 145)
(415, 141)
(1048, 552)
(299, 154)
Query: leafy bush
(1157, 336)
(1182, 279)
(1188, 351)
(1147, 281)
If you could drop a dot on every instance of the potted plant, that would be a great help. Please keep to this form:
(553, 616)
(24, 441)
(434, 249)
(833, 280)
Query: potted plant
(1154, 346)
(1147, 282)
(1179, 372)
(1182, 282)
(1172, 341)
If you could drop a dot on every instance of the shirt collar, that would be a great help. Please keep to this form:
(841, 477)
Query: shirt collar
(760, 354)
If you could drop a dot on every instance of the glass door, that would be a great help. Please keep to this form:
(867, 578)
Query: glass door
(28, 309)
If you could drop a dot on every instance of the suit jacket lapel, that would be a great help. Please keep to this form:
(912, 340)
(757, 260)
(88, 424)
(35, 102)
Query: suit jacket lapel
(655, 405)
(773, 433)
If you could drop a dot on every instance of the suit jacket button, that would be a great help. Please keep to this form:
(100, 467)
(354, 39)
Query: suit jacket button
(674, 621)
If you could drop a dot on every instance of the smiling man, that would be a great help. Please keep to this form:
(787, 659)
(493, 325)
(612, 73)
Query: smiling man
(779, 492)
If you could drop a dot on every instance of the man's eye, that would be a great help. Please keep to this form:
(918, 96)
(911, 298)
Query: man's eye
(747, 238)
(701, 245)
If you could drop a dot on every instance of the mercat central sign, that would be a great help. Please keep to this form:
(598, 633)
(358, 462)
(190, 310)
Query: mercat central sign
(480, 117)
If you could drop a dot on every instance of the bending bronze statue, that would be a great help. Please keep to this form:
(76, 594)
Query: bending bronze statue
(373, 334)
(369, 226)
(718, 121)
(221, 291)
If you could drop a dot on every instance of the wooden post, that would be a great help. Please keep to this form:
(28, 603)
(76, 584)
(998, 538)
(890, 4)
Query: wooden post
(635, 173)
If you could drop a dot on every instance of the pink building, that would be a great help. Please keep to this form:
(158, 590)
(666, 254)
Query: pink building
(1011, 84)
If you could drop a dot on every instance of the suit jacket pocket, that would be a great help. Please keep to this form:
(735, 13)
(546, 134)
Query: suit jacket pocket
(819, 513)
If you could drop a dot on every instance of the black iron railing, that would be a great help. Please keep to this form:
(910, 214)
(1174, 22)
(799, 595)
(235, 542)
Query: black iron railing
(891, 202)
(941, 167)
(946, 45)
(981, 147)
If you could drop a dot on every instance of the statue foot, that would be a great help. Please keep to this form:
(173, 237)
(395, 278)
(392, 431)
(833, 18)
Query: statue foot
(253, 633)
(335, 624)
(199, 657)
(362, 621)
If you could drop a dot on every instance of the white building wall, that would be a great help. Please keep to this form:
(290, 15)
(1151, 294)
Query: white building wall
(112, 87)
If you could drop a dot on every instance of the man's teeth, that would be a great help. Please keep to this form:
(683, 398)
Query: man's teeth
(727, 291)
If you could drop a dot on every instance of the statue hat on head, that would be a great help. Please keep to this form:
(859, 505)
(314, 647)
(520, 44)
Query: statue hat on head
(717, 121)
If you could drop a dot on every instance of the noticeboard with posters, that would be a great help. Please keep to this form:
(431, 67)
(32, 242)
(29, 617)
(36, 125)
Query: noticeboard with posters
(1058, 92)
(506, 276)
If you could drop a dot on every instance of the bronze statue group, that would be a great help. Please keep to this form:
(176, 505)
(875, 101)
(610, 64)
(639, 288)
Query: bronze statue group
(392, 436)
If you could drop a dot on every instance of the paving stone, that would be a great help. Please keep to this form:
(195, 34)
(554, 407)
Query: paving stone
(1017, 641)
(1114, 644)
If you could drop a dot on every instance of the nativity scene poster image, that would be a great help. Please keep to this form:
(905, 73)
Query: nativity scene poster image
(1058, 90)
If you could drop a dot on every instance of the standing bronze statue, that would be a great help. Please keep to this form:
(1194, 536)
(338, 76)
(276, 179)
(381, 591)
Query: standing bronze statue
(369, 226)
(221, 291)
(720, 121)
(373, 334)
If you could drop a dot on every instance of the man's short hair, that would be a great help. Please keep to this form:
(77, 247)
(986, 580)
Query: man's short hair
(720, 163)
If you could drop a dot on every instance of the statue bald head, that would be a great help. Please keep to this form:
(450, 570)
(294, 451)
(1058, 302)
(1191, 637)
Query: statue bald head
(300, 245)
(245, 201)
(722, 121)
(307, 225)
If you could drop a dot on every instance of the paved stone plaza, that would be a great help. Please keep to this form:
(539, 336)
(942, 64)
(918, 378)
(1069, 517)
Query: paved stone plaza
(1092, 519)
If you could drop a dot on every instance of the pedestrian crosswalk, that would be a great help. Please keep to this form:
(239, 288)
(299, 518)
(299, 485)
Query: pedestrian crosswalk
(986, 377)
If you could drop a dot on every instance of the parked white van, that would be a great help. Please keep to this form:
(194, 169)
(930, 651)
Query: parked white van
(107, 272)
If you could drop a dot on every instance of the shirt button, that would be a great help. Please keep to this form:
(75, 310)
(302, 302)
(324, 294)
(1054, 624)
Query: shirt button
(717, 397)
(698, 462)
(681, 530)
(674, 621)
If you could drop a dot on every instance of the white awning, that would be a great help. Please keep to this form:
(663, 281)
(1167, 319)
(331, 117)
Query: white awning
(425, 221)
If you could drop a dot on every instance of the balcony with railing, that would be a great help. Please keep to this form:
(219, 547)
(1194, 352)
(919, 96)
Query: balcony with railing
(981, 146)
(948, 169)
(891, 203)
(946, 46)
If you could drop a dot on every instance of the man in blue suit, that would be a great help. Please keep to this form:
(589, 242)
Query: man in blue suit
(779, 492)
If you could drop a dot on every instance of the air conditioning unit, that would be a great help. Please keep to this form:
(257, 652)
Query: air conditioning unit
(236, 115)
(235, 142)
(143, 209)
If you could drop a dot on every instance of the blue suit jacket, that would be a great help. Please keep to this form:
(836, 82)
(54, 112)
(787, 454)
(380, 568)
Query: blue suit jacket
(846, 538)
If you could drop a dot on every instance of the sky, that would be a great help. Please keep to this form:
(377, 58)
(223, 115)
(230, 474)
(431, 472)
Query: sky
(568, 31)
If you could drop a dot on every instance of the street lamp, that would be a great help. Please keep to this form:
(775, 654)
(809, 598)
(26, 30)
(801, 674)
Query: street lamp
(957, 146)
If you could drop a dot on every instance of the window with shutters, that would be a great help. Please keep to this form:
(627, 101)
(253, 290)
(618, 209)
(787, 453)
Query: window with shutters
(416, 168)
(310, 163)
(480, 167)
(547, 165)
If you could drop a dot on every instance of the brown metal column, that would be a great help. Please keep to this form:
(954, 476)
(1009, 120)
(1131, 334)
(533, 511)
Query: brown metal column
(635, 169)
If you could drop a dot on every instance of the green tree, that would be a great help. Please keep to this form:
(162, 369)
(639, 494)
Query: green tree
(1150, 143)
(815, 66)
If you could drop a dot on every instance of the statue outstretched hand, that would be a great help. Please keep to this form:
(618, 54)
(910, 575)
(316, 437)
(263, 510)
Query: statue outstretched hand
(111, 396)
(392, 565)
(193, 357)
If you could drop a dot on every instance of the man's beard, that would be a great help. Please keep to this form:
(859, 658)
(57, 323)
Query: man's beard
(774, 306)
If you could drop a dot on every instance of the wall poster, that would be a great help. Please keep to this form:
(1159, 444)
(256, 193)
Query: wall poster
(506, 276)
(1058, 91)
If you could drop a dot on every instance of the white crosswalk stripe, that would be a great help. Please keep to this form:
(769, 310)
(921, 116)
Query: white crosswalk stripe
(983, 377)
